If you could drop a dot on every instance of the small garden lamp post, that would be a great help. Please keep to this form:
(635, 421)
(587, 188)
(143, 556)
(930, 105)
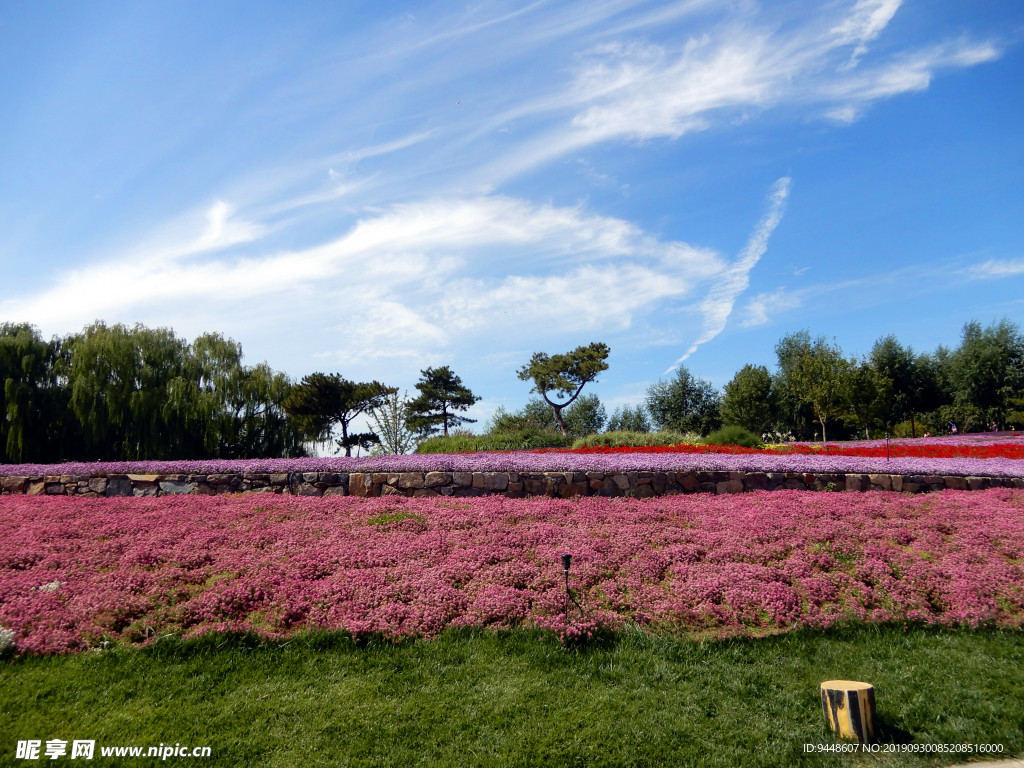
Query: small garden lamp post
(566, 562)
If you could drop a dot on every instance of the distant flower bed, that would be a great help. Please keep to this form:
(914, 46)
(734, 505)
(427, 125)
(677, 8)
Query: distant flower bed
(709, 459)
(874, 449)
(748, 564)
(971, 438)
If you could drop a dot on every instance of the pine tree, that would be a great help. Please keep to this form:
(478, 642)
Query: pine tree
(441, 394)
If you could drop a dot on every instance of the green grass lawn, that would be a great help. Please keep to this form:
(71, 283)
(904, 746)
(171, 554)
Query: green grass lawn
(520, 699)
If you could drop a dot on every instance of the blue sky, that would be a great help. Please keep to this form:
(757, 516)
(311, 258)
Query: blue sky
(375, 188)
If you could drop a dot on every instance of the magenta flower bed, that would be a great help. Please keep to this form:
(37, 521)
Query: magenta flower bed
(549, 462)
(76, 572)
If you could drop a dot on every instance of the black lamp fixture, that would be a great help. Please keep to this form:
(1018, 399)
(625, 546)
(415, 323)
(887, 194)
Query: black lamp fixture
(566, 562)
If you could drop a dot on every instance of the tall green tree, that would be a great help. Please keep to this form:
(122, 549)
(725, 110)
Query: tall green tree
(586, 416)
(236, 409)
(860, 391)
(565, 375)
(685, 404)
(896, 380)
(749, 400)
(795, 414)
(322, 402)
(119, 379)
(252, 420)
(536, 414)
(986, 372)
(123, 392)
(629, 418)
(442, 394)
(819, 378)
(32, 410)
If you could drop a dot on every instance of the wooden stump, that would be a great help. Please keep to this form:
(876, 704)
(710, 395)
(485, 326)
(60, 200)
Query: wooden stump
(849, 709)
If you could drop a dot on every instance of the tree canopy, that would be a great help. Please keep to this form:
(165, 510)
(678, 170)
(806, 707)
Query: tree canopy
(629, 418)
(987, 372)
(29, 398)
(118, 392)
(130, 392)
(442, 393)
(321, 401)
(749, 400)
(818, 377)
(565, 374)
(684, 404)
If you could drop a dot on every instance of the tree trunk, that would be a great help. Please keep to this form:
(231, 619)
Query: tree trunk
(344, 438)
(559, 419)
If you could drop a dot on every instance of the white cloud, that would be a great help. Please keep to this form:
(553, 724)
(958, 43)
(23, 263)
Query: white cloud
(223, 230)
(905, 74)
(761, 307)
(401, 281)
(638, 90)
(994, 268)
(865, 22)
(718, 304)
(641, 92)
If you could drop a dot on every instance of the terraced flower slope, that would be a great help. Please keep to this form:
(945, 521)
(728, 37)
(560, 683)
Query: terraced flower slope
(77, 572)
(1000, 455)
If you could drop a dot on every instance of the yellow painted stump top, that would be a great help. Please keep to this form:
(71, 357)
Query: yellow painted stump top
(846, 685)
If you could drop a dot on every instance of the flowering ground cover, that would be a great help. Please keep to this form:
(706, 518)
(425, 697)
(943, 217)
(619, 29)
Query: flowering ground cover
(710, 459)
(963, 439)
(77, 572)
(986, 445)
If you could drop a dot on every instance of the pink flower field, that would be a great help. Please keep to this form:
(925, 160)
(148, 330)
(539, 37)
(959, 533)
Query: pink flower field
(77, 572)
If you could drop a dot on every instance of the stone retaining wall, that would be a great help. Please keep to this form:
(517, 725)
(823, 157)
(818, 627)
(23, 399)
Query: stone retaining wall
(510, 484)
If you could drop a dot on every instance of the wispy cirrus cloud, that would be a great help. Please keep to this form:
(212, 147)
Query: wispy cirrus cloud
(760, 308)
(906, 73)
(746, 61)
(864, 23)
(404, 282)
(995, 268)
(718, 304)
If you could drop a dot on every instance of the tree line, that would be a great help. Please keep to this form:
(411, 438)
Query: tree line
(131, 393)
(815, 393)
(114, 393)
(120, 393)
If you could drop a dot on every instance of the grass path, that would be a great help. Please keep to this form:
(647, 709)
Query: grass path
(519, 699)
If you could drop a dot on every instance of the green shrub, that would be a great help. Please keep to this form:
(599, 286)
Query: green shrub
(932, 423)
(733, 435)
(510, 440)
(634, 439)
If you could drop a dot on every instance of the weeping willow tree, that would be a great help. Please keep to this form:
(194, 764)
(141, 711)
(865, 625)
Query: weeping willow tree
(119, 380)
(143, 393)
(32, 411)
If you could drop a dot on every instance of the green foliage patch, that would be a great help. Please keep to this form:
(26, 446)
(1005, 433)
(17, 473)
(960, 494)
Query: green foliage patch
(512, 440)
(635, 439)
(733, 435)
(400, 516)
